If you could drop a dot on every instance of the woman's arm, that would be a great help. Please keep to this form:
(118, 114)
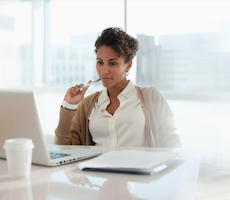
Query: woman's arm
(165, 121)
(62, 132)
(168, 135)
(160, 118)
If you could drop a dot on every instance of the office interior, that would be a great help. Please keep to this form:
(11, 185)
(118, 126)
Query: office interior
(48, 46)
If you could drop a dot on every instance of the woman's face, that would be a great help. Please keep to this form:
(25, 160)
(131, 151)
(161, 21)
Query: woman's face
(111, 67)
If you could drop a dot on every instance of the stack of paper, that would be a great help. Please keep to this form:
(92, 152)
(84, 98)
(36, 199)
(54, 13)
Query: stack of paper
(131, 161)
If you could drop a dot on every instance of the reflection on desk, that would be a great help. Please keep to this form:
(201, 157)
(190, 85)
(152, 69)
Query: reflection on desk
(178, 182)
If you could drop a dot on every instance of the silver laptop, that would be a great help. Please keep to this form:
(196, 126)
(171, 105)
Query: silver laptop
(19, 119)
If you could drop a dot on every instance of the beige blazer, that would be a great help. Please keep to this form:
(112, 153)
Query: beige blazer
(73, 127)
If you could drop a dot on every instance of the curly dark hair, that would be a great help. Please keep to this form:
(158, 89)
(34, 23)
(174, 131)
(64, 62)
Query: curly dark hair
(120, 41)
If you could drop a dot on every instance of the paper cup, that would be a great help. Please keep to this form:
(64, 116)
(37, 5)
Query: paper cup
(19, 157)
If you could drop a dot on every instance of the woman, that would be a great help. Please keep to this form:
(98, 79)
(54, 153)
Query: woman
(122, 114)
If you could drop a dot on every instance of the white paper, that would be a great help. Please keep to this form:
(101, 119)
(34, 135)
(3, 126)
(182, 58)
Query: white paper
(129, 159)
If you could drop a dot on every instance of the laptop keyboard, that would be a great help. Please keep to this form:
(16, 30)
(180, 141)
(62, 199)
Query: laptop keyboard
(54, 155)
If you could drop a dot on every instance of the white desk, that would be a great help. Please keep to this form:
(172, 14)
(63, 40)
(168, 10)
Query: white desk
(195, 177)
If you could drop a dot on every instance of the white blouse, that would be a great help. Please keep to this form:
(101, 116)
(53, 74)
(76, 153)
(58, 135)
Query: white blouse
(125, 127)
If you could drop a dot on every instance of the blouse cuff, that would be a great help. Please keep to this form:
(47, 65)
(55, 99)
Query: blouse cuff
(69, 106)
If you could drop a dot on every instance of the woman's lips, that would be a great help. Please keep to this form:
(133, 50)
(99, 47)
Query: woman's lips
(105, 79)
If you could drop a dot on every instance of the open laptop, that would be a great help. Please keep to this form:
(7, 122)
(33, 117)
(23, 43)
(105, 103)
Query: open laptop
(19, 119)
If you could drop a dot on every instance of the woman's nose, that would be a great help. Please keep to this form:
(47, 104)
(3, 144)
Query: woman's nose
(105, 69)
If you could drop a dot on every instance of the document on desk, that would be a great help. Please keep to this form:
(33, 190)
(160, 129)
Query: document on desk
(131, 161)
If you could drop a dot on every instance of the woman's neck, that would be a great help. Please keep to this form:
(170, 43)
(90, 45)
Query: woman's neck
(117, 89)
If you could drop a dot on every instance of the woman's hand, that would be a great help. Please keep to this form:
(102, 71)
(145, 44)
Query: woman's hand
(74, 95)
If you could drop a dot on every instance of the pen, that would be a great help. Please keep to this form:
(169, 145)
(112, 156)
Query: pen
(80, 89)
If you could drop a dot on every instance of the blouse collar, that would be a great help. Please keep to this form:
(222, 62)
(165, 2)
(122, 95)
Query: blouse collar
(126, 92)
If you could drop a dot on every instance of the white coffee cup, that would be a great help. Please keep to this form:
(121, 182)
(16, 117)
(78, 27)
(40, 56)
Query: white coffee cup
(19, 157)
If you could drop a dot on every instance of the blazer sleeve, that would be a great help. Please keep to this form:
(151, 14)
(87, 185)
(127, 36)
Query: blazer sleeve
(63, 131)
(165, 121)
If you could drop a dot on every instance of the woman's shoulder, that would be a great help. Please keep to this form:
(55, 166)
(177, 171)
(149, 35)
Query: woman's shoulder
(149, 90)
(151, 94)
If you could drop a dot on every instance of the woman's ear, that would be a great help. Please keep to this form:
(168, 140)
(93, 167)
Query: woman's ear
(129, 65)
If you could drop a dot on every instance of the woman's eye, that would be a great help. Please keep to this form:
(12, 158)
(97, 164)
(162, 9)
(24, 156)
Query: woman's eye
(112, 63)
(99, 62)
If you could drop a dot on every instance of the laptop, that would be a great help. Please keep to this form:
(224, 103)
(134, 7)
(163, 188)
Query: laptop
(19, 119)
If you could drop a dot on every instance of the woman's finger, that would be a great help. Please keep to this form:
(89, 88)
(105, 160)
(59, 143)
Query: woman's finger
(76, 88)
(80, 87)
(86, 88)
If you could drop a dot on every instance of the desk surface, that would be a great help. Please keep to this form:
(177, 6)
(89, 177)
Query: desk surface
(197, 176)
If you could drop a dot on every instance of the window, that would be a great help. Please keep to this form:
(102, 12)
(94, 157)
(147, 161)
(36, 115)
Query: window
(48, 46)
(190, 63)
(40, 40)
(15, 44)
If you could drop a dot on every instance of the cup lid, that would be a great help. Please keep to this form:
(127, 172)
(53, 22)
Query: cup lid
(18, 144)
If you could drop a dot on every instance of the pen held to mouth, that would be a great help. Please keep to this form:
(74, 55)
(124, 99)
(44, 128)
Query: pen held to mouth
(80, 89)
